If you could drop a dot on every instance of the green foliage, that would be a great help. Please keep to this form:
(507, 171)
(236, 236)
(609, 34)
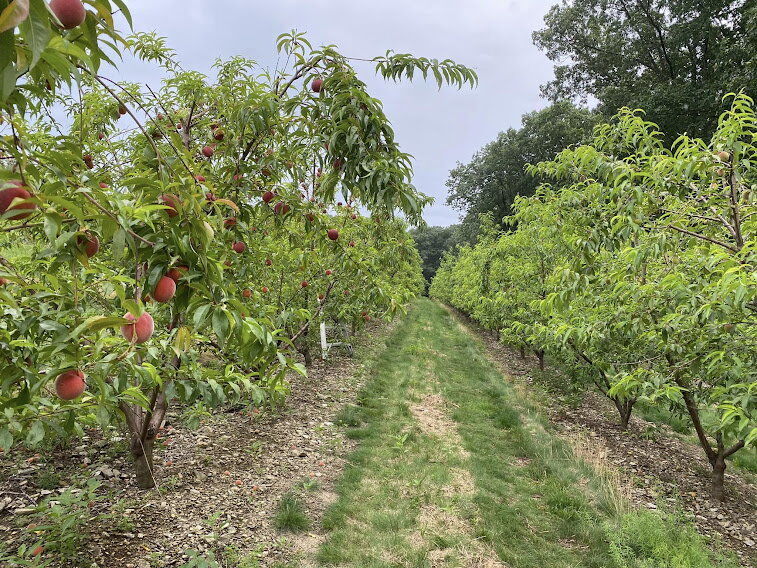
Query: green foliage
(175, 189)
(496, 174)
(432, 243)
(398, 65)
(199, 560)
(673, 58)
(38, 57)
(58, 529)
(636, 272)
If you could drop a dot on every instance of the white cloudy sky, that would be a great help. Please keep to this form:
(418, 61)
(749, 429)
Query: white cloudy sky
(438, 128)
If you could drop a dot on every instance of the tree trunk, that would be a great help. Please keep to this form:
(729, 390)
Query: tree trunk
(143, 427)
(305, 350)
(715, 455)
(625, 408)
(718, 478)
(522, 352)
(540, 356)
(141, 451)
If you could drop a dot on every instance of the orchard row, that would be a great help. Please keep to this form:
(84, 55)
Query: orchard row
(180, 244)
(635, 271)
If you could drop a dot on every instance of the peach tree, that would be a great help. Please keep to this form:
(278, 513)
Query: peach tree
(653, 291)
(679, 230)
(171, 258)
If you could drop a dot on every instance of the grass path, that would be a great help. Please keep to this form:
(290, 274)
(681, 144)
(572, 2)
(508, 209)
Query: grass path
(455, 469)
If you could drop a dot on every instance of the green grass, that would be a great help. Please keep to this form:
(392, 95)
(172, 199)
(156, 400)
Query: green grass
(654, 540)
(291, 514)
(488, 480)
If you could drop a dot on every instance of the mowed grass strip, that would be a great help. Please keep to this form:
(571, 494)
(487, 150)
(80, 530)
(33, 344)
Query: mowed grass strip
(455, 469)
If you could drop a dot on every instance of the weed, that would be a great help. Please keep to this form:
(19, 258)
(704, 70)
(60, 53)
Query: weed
(309, 484)
(291, 514)
(351, 415)
(120, 517)
(48, 479)
(57, 531)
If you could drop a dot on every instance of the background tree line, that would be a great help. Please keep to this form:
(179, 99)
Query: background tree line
(675, 59)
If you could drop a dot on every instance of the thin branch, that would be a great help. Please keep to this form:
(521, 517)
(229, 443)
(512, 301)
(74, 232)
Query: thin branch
(703, 237)
(322, 304)
(113, 216)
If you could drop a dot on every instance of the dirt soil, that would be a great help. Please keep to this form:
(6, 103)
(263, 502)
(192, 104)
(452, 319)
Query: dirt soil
(661, 469)
(219, 486)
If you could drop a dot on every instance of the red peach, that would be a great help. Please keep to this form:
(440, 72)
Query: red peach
(16, 191)
(140, 330)
(165, 290)
(70, 13)
(90, 243)
(171, 201)
(70, 385)
(177, 272)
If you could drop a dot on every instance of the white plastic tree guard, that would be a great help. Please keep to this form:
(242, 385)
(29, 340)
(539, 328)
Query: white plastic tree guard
(326, 346)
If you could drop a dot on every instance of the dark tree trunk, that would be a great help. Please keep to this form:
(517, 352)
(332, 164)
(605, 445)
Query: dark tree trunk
(305, 350)
(143, 427)
(625, 408)
(144, 424)
(303, 346)
(717, 454)
(522, 352)
(540, 356)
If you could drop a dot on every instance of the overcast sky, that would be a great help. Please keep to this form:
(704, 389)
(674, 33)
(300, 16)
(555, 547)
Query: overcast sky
(439, 128)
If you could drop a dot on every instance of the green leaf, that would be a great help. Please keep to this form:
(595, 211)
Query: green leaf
(119, 243)
(36, 30)
(7, 49)
(6, 439)
(125, 11)
(220, 325)
(96, 323)
(200, 314)
(51, 225)
(36, 433)
(103, 416)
